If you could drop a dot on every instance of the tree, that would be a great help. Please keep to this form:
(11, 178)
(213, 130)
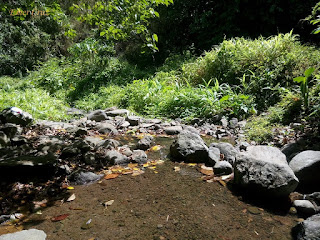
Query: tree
(120, 20)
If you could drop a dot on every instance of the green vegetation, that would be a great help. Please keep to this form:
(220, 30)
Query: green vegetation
(95, 54)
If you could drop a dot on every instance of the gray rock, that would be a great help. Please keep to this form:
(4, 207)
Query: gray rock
(117, 112)
(290, 150)
(89, 158)
(3, 140)
(15, 115)
(190, 147)
(224, 122)
(244, 146)
(306, 166)
(11, 129)
(97, 115)
(116, 158)
(227, 150)
(18, 141)
(214, 155)
(93, 141)
(86, 178)
(233, 123)
(222, 168)
(107, 128)
(125, 150)
(75, 112)
(109, 144)
(124, 124)
(31, 234)
(146, 125)
(173, 130)
(133, 120)
(309, 229)
(265, 170)
(314, 197)
(145, 143)
(139, 156)
(191, 129)
(69, 151)
(304, 207)
(81, 132)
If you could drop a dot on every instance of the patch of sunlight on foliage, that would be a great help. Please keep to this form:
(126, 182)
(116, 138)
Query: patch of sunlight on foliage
(37, 102)
(259, 66)
(259, 129)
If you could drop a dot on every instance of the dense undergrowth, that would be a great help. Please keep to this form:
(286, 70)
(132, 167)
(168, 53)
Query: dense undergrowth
(238, 78)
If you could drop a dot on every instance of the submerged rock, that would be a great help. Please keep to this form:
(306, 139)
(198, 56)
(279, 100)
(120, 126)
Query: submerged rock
(264, 170)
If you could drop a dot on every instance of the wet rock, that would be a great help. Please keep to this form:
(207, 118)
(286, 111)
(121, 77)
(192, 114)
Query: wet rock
(133, 120)
(15, 115)
(139, 156)
(116, 158)
(306, 166)
(86, 178)
(117, 112)
(173, 130)
(265, 170)
(107, 128)
(309, 229)
(11, 129)
(97, 115)
(190, 147)
(304, 207)
(145, 143)
(31, 234)
(222, 168)
(227, 150)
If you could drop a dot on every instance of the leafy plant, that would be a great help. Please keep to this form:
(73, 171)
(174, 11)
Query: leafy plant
(304, 88)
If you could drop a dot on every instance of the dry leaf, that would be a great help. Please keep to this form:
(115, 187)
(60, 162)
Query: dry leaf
(137, 173)
(206, 170)
(10, 229)
(70, 188)
(71, 198)
(192, 164)
(109, 203)
(155, 148)
(112, 176)
(223, 183)
(59, 218)
(132, 165)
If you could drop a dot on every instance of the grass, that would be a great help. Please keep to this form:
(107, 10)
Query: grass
(233, 79)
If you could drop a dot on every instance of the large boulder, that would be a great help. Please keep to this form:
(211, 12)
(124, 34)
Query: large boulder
(309, 229)
(264, 170)
(306, 166)
(31, 234)
(189, 147)
(15, 115)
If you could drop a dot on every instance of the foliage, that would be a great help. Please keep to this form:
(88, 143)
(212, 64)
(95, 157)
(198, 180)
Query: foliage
(314, 18)
(304, 88)
(36, 101)
(121, 20)
(260, 67)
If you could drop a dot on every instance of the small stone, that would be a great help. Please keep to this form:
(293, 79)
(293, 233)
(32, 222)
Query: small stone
(97, 116)
(81, 132)
(159, 226)
(304, 207)
(31, 234)
(254, 210)
(133, 120)
(223, 168)
(145, 143)
(293, 210)
(117, 112)
(173, 130)
(139, 156)
(83, 178)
